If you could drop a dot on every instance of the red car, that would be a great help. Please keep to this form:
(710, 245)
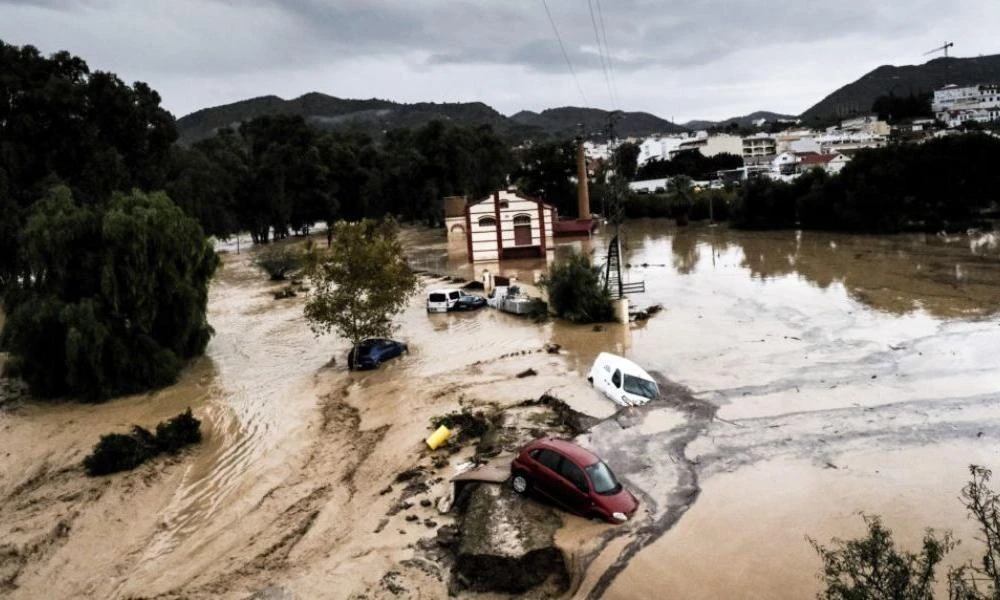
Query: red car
(573, 478)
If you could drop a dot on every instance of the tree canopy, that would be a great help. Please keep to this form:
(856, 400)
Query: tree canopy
(60, 122)
(946, 183)
(691, 163)
(364, 282)
(546, 171)
(112, 297)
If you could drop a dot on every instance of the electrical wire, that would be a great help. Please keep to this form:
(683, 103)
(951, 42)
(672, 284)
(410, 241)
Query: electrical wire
(607, 52)
(565, 55)
(601, 53)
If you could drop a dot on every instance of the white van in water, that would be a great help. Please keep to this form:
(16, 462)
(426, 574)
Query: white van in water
(622, 380)
(439, 301)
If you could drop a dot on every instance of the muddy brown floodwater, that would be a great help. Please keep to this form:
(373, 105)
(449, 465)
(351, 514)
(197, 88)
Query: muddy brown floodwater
(809, 377)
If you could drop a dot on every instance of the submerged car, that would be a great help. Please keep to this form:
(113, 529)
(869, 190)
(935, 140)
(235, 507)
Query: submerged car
(572, 477)
(370, 353)
(621, 380)
(439, 301)
(468, 302)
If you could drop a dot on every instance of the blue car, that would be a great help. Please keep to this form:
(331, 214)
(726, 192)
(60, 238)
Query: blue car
(370, 353)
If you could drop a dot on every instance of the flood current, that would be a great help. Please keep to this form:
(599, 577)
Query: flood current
(812, 376)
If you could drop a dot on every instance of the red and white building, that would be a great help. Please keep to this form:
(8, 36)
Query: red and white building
(502, 226)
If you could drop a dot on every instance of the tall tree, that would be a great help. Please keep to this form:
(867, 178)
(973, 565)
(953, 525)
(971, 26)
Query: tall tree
(626, 160)
(547, 170)
(113, 296)
(59, 122)
(364, 282)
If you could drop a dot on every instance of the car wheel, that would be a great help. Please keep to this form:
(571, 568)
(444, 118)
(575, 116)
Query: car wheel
(520, 483)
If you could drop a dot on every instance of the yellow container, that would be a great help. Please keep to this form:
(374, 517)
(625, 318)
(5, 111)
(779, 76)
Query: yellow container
(439, 437)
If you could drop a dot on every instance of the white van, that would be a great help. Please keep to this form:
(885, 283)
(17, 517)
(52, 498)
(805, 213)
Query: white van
(439, 301)
(621, 380)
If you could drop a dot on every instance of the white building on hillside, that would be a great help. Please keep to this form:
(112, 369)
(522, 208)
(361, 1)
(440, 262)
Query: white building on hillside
(759, 149)
(955, 105)
(722, 144)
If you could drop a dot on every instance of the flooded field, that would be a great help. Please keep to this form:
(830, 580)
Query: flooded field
(811, 376)
(850, 373)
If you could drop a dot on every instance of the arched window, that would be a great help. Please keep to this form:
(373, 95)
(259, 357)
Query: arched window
(522, 220)
(487, 222)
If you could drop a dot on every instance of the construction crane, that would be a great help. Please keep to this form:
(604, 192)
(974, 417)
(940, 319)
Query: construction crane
(945, 48)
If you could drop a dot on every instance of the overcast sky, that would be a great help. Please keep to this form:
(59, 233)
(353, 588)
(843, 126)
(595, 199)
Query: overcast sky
(678, 59)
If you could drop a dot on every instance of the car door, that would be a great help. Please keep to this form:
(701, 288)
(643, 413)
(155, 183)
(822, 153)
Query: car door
(603, 378)
(575, 487)
(390, 349)
(615, 388)
(547, 472)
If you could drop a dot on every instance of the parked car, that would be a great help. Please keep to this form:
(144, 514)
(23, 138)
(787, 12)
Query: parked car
(572, 477)
(439, 301)
(468, 302)
(621, 380)
(370, 353)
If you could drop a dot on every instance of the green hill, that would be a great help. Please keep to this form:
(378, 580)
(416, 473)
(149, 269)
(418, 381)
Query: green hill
(744, 121)
(377, 116)
(858, 97)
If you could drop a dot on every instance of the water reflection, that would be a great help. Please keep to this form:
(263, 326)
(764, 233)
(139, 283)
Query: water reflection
(946, 276)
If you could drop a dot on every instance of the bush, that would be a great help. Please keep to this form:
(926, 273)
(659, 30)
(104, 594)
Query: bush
(182, 430)
(575, 291)
(872, 567)
(123, 452)
(278, 261)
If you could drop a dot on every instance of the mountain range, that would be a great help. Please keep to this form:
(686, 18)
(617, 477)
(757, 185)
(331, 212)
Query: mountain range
(375, 116)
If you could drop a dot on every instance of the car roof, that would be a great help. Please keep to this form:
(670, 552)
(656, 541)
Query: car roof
(625, 365)
(577, 454)
(442, 291)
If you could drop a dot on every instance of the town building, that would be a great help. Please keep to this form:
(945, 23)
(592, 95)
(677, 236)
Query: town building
(759, 149)
(956, 105)
(502, 226)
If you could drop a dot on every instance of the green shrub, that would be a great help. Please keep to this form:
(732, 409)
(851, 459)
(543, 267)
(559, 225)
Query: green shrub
(576, 293)
(178, 432)
(121, 452)
(278, 261)
(872, 567)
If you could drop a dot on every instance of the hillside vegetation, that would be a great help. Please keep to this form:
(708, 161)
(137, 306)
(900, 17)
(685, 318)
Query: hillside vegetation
(857, 97)
(375, 117)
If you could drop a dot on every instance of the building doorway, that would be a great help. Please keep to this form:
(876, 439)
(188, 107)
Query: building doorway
(522, 230)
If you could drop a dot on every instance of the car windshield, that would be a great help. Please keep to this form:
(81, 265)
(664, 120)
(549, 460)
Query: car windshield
(603, 479)
(438, 298)
(640, 387)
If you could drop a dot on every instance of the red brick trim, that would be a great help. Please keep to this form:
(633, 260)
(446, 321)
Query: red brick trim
(496, 210)
(468, 232)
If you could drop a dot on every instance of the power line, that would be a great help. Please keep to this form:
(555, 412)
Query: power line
(607, 52)
(600, 52)
(566, 56)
